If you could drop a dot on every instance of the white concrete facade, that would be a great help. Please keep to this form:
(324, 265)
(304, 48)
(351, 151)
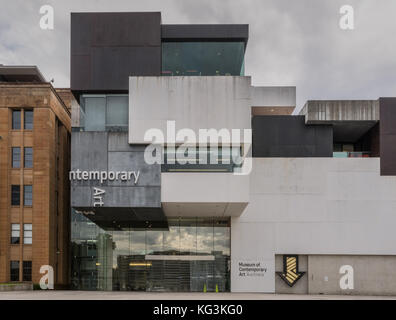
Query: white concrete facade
(312, 206)
(192, 102)
(211, 194)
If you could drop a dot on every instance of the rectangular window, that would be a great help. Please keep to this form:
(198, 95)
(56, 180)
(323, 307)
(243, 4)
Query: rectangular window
(27, 271)
(28, 195)
(95, 113)
(15, 233)
(28, 157)
(28, 120)
(116, 113)
(14, 270)
(104, 112)
(27, 233)
(16, 119)
(16, 157)
(15, 195)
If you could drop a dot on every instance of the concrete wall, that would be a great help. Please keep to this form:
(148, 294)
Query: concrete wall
(274, 96)
(109, 151)
(317, 111)
(193, 102)
(312, 206)
(204, 194)
(372, 275)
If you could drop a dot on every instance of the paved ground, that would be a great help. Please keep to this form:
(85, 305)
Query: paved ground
(92, 295)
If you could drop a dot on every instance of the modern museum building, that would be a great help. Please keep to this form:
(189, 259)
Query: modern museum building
(276, 203)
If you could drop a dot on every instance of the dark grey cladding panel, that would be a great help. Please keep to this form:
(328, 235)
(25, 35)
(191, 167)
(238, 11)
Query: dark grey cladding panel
(112, 66)
(126, 29)
(90, 152)
(107, 48)
(288, 136)
(82, 196)
(118, 218)
(118, 141)
(132, 161)
(230, 32)
(388, 136)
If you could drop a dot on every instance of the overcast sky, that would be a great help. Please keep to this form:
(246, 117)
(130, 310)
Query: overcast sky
(291, 42)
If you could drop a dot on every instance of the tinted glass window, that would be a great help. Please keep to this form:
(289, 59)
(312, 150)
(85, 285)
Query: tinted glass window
(16, 157)
(14, 270)
(28, 195)
(95, 113)
(28, 119)
(27, 271)
(28, 157)
(116, 113)
(15, 195)
(16, 119)
(104, 112)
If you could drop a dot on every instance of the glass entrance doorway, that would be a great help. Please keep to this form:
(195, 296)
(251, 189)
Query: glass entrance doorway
(192, 255)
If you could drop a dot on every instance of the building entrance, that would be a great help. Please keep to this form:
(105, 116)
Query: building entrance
(191, 255)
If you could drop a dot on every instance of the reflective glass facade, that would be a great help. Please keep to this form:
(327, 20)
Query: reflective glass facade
(203, 58)
(192, 254)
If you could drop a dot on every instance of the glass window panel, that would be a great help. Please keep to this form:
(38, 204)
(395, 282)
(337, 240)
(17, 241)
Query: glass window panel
(15, 233)
(95, 113)
(188, 236)
(27, 233)
(27, 271)
(172, 238)
(28, 120)
(117, 113)
(14, 270)
(138, 243)
(28, 157)
(15, 195)
(205, 236)
(203, 58)
(28, 195)
(16, 119)
(16, 157)
(154, 241)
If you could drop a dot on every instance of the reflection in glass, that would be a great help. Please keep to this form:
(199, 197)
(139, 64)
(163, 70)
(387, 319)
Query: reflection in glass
(203, 58)
(193, 254)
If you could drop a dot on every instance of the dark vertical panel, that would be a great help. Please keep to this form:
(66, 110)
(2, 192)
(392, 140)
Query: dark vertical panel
(289, 136)
(107, 48)
(388, 136)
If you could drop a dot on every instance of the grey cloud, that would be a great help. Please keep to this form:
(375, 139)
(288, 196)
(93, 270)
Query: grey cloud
(291, 42)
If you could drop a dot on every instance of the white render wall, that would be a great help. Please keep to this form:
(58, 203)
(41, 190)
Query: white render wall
(219, 194)
(273, 96)
(312, 206)
(193, 102)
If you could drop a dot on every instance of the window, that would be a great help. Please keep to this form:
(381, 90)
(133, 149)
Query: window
(27, 233)
(28, 120)
(16, 157)
(116, 113)
(27, 271)
(14, 270)
(27, 195)
(15, 233)
(16, 119)
(203, 58)
(28, 157)
(15, 196)
(104, 112)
